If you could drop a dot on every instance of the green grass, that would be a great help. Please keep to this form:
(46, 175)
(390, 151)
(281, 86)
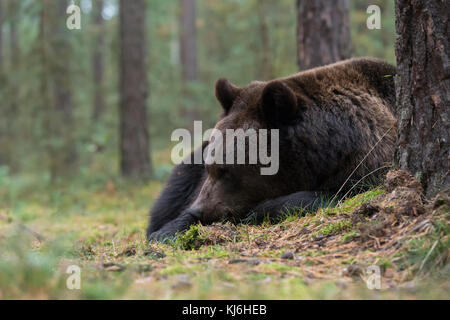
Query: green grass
(101, 228)
(334, 228)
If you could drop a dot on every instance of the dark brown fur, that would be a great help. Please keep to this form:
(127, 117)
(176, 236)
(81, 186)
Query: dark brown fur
(330, 119)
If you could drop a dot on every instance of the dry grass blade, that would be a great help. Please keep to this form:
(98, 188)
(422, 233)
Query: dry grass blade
(427, 256)
(360, 163)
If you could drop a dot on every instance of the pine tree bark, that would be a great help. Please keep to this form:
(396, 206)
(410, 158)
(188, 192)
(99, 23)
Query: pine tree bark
(98, 60)
(134, 137)
(323, 32)
(423, 91)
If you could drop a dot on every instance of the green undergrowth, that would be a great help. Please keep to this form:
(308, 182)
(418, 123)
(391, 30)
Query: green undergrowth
(101, 229)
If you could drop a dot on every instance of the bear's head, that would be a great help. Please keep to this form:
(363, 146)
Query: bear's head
(238, 183)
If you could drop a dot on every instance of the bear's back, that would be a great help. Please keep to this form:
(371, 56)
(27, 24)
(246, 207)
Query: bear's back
(348, 109)
(354, 77)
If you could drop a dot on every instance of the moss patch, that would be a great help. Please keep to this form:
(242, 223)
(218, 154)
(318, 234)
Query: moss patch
(103, 232)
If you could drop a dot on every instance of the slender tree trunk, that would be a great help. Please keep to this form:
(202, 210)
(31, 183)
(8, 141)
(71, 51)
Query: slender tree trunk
(10, 84)
(2, 121)
(98, 60)
(134, 137)
(188, 58)
(266, 66)
(44, 59)
(323, 32)
(1, 35)
(57, 95)
(14, 52)
(422, 89)
(188, 41)
(13, 34)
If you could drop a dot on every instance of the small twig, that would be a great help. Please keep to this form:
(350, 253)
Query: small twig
(39, 237)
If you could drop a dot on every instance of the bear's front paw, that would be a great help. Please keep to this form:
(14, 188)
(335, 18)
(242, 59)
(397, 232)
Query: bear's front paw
(161, 236)
(170, 230)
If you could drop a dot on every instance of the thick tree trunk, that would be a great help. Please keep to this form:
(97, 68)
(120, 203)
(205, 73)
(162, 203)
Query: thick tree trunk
(134, 138)
(423, 91)
(323, 32)
(98, 60)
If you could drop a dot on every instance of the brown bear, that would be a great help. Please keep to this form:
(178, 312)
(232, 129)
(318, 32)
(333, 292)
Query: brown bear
(336, 126)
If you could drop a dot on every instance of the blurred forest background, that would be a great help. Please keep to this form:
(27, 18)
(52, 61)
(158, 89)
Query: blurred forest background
(60, 89)
(86, 118)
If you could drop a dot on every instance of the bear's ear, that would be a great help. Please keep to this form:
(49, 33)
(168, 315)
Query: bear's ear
(278, 103)
(226, 93)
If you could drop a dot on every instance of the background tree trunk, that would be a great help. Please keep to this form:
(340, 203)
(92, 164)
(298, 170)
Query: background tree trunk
(13, 16)
(57, 95)
(2, 85)
(98, 60)
(1, 34)
(13, 34)
(10, 113)
(134, 138)
(188, 59)
(266, 64)
(188, 41)
(323, 32)
(422, 89)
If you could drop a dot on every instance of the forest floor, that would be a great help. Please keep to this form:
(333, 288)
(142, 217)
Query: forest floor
(331, 254)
